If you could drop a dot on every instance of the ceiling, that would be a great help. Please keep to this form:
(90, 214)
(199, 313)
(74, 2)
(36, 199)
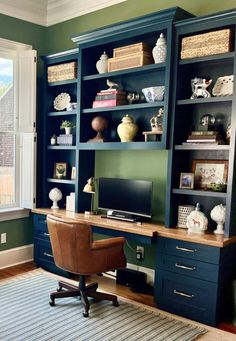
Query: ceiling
(50, 12)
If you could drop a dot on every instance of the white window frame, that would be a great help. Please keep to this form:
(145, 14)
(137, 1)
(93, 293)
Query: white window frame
(25, 146)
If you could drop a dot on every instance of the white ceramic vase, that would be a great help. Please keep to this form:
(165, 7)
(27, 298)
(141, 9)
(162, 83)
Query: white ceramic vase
(127, 130)
(55, 195)
(102, 63)
(159, 52)
(68, 130)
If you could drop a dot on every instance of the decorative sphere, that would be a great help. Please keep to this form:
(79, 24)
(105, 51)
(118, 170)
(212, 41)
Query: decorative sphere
(55, 195)
(218, 213)
(99, 123)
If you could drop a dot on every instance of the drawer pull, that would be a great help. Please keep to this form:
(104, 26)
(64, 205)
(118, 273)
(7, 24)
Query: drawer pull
(185, 249)
(46, 234)
(42, 221)
(47, 254)
(182, 294)
(185, 267)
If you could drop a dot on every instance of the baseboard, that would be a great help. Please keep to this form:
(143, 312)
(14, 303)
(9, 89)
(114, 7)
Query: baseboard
(150, 272)
(16, 256)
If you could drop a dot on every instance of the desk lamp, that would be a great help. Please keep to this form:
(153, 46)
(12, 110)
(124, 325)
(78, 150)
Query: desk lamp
(90, 188)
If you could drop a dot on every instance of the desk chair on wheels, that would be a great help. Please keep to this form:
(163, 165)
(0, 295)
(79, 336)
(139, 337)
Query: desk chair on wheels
(75, 251)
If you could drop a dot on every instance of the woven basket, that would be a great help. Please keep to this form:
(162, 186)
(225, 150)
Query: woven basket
(130, 49)
(129, 61)
(206, 44)
(62, 72)
(183, 213)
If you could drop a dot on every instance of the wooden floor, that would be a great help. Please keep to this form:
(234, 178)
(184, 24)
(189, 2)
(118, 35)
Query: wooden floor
(108, 284)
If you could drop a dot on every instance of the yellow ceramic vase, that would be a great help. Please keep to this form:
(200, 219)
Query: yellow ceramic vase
(127, 130)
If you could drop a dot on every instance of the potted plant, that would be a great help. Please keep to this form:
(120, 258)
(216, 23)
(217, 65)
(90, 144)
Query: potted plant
(67, 125)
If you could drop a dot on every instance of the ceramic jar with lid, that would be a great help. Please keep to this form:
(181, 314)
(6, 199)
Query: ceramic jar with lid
(127, 130)
(102, 63)
(160, 50)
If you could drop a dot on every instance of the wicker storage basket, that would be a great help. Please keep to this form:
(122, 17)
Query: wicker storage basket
(207, 44)
(62, 72)
(183, 213)
(130, 61)
(130, 49)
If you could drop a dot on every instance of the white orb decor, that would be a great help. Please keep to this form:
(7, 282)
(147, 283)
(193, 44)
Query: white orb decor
(218, 215)
(55, 195)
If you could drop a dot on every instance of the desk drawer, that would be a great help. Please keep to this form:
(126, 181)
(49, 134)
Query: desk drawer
(185, 296)
(40, 227)
(188, 267)
(209, 254)
(43, 251)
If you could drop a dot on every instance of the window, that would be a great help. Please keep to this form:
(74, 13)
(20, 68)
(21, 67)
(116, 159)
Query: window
(17, 126)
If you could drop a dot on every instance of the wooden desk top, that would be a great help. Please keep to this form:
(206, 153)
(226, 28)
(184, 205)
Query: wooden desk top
(145, 229)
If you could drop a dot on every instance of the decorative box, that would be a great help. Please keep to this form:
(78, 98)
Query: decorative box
(62, 72)
(65, 139)
(207, 44)
(130, 49)
(129, 61)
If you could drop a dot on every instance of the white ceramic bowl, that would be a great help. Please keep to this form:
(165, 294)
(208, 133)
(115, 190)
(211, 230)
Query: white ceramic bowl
(154, 93)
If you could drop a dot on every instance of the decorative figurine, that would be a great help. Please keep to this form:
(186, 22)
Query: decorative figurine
(112, 85)
(156, 120)
(55, 195)
(218, 215)
(207, 122)
(102, 63)
(160, 50)
(99, 123)
(197, 221)
(127, 130)
(134, 97)
(199, 86)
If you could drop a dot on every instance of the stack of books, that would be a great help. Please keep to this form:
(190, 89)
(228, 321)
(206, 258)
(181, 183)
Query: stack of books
(109, 98)
(212, 137)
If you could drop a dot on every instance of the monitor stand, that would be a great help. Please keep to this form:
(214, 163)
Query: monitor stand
(123, 216)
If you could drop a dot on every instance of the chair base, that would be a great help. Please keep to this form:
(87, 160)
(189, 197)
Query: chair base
(84, 292)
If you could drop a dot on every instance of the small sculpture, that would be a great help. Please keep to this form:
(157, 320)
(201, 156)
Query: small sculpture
(99, 124)
(207, 122)
(197, 221)
(218, 215)
(112, 85)
(55, 195)
(156, 120)
(199, 86)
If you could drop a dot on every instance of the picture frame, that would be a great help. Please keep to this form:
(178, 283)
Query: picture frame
(207, 172)
(186, 180)
(60, 170)
(73, 173)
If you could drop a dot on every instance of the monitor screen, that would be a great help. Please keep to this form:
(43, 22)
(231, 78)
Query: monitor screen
(126, 195)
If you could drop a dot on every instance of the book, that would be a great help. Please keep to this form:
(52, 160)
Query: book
(202, 140)
(203, 137)
(108, 103)
(202, 132)
(111, 91)
(109, 96)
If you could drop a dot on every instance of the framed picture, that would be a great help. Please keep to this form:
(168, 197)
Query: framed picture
(60, 170)
(186, 180)
(73, 173)
(209, 171)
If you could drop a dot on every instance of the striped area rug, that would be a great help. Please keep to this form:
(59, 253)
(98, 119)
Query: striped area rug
(25, 315)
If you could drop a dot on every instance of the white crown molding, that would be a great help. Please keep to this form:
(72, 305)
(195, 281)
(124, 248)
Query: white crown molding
(51, 12)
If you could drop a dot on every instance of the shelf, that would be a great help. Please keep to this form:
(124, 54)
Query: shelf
(62, 147)
(120, 145)
(202, 147)
(125, 107)
(61, 181)
(70, 81)
(199, 193)
(62, 113)
(216, 57)
(205, 100)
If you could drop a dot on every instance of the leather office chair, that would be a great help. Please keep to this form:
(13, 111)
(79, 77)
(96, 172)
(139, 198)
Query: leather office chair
(75, 251)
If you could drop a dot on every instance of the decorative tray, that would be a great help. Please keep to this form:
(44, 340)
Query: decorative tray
(223, 86)
(62, 101)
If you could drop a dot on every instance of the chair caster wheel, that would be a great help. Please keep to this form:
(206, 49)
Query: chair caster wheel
(115, 304)
(85, 314)
(59, 289)
(51, 303)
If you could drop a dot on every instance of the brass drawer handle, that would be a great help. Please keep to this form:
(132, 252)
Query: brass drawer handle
(185, 249)
(46, 234)
(47, 254)
(182, 294)
(185, 267)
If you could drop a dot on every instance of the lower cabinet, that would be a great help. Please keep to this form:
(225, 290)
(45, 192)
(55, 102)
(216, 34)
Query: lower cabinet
(43, 256)
(194, 280)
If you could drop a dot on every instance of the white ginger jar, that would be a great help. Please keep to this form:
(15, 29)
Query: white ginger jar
(159, 52)
(127, 130)
(102, 63)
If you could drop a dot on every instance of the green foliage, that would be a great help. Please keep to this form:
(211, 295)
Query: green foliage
(67, 124)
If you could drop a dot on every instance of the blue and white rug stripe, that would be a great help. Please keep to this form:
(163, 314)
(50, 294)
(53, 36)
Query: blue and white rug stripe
(25, 315)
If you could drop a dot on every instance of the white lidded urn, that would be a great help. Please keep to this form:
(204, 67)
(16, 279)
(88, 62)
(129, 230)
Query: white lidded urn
(127, 130)
(102, 63)
(159, 52)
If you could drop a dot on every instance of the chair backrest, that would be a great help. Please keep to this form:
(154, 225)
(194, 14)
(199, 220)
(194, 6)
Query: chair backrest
(71, 243)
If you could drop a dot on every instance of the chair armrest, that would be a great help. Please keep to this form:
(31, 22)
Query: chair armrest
(108, 243)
